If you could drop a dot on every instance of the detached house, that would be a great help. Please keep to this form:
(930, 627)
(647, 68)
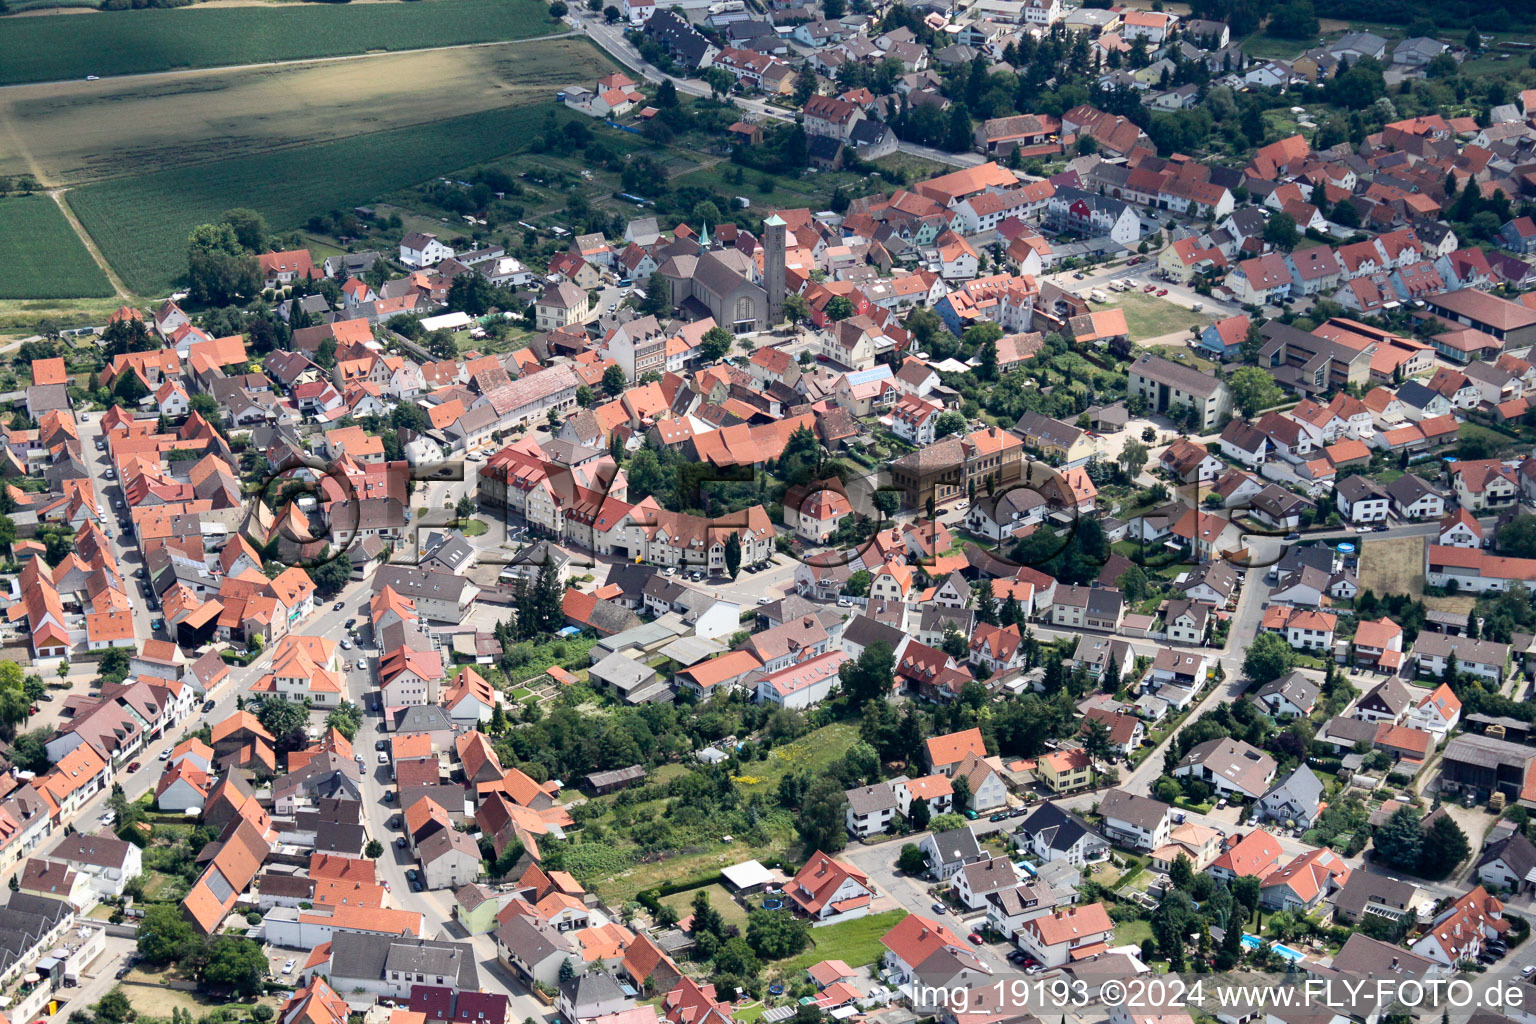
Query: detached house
(828, 891)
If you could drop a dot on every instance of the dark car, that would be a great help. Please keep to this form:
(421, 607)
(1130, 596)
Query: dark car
(349, 623)
(122, 972)
(338, 606)
(938, 908)
(381, 745)
(999, 817)
(209, 705)
(416, 885)
(400, 843)
(1293, 535)
(135, 766)
(1380, 528)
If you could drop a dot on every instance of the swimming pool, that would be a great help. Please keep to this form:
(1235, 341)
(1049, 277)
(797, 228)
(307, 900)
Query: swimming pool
(1252, 942)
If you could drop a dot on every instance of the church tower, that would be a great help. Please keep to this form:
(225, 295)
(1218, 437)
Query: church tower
(774, 230)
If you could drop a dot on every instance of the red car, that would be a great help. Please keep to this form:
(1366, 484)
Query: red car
(135, 766)
(975, 938)
(1161, 292)
(1133, 261)
(1150, 288)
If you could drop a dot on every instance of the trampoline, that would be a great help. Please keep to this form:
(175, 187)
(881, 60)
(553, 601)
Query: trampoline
(776, 989)
(773, 904)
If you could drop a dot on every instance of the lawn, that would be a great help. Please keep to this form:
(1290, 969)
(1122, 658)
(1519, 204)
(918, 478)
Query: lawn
(719, 898)
(1147, 316)
(1132, 933)
(856, 943)
(142, 223)
(1395, 567)
(41, 257)
(130, 42)
(1495, 440)
(811, 753)
(1262, 46)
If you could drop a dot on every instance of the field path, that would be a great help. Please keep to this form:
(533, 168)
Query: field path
(180, 72)
(57, 195)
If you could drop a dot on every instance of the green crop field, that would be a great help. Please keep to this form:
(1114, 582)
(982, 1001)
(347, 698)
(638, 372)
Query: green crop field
(129, 42)
(41, 257)
(141, 224)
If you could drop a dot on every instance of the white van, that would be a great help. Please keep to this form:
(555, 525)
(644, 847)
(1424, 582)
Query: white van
(1098, 296)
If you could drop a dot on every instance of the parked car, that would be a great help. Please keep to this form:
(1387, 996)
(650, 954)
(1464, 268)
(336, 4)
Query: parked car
(338, 606)
(1000, 816)
(383, 758)
(975, 938)
(1161, 292)
(135, 766)
(938, 908)
(400, 843)
(209, 705)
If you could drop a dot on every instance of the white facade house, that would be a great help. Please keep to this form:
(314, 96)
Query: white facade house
(420, 249)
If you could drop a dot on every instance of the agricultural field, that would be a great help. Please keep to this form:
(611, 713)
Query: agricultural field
(51, 48)
(40, 254)
(80, 132)
(141, 224)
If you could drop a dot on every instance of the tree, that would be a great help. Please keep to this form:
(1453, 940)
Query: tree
(280, 717)
(1133, 457)
(1174, 918)
(919, 814)
(858, 583)
(164, 934)
(345, 719)
(250, 228)
(960, 797)
(1133, 583)
(1096, 740)
(805, 85)
(1399, 843)
(912, 860)
(732, 554)
(611, 14)
(1182, 873)
(870, 676)
(614, 381)
(220, 271)
(236, 962)
(1281, 231)
(795, 309)
(666, 94)
(1294, 20)
(374, 850)
(775, 936)
(1253, 389)
(114, 1007)
(1444, 846)
(839, 307)
(332, 575)
(585, 397)
(716, 343)
(1269, 657)
(820, 825)
(950, 421)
